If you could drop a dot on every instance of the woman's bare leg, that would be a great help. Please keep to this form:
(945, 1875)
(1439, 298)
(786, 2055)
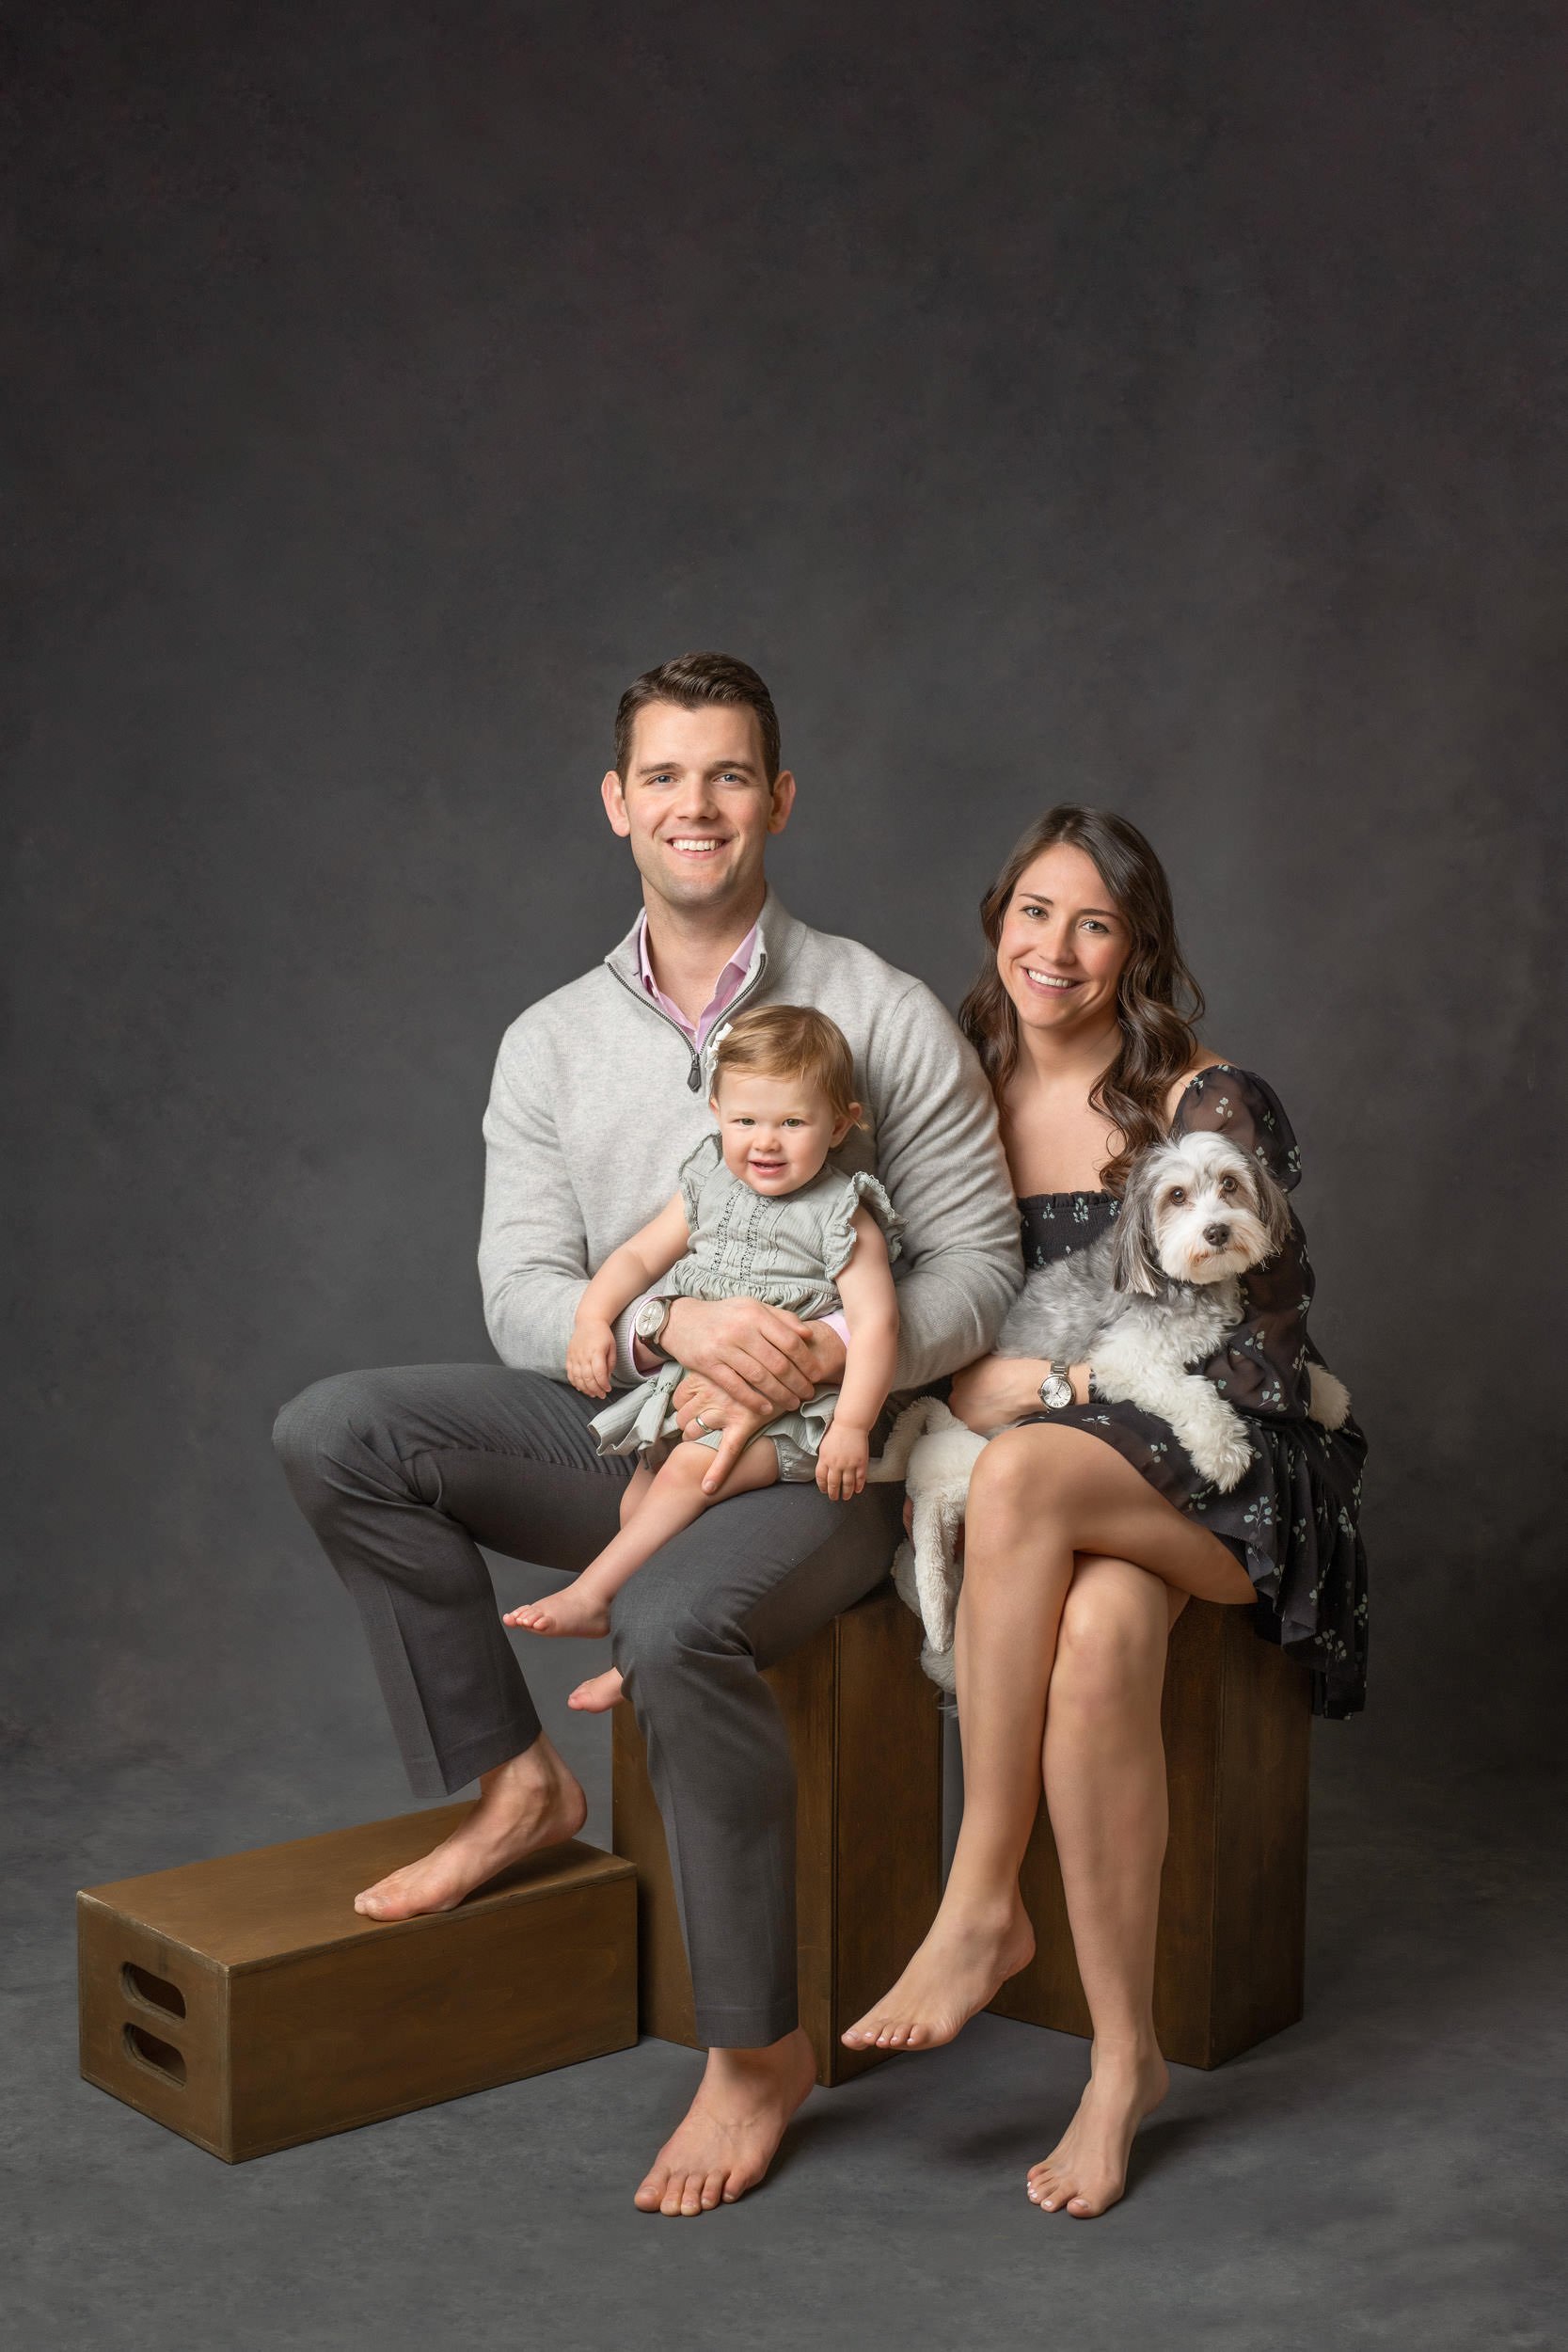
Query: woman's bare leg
(1104, 1766)
(1039, 1496)
(671, 1500)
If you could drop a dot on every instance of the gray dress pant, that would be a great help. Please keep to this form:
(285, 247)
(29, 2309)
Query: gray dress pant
(404, 1473)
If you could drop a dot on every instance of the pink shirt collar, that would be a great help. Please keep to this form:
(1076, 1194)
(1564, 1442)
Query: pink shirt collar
(725, 990)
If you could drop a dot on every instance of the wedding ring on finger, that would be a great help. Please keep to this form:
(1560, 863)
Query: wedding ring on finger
(701, 1422)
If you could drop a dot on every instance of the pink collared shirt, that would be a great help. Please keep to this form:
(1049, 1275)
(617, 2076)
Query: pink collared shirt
(725, 989)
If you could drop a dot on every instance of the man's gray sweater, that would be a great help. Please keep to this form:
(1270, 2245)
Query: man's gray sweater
(598, 1098)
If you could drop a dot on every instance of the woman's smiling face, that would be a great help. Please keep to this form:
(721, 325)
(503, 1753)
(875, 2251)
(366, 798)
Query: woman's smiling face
(1063, 944)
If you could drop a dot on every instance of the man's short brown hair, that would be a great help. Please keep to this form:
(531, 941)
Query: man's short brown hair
(691, 680)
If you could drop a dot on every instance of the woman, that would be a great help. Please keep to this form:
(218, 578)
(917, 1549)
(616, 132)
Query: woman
(1089, 1529)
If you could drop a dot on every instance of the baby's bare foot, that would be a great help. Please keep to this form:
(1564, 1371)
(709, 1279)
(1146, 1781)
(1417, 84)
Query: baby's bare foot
(1086, 2170)
(583, 1614)
(530, 1801)
(728, 2137)
(599, 1694)
(963, 1961)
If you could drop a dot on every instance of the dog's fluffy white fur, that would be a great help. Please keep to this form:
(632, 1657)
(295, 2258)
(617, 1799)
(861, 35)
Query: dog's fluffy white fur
(1149, 1299)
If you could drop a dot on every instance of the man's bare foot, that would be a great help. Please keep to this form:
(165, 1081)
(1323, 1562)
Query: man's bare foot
(728, 2137)
(599, 1694)
(1086, 2170)
(572, 1611)
(528, 1801)
(963, 1961)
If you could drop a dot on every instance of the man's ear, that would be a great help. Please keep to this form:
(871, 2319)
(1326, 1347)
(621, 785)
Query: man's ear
(783, 801)
(612, 793)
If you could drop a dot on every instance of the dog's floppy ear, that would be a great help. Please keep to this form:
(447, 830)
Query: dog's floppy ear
(1133, 1264)
(1272, 1206)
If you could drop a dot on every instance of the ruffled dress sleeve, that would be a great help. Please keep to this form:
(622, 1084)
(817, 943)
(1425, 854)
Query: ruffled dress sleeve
(695, 1169)
(1262, 1367)
(838, 1229)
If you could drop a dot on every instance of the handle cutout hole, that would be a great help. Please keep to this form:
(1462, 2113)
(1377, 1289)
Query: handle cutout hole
(156, 1992)
(162, 2056)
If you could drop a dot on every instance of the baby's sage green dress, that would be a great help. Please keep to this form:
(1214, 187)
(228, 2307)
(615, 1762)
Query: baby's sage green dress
(785, 1249)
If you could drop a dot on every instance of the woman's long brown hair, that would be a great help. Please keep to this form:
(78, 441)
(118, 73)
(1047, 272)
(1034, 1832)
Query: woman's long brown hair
(1157, 998)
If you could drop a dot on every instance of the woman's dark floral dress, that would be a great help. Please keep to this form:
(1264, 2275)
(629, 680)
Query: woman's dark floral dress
(1291, 1521)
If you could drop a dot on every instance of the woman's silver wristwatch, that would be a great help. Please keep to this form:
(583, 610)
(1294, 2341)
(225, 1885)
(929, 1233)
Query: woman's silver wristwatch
(1055, 1392)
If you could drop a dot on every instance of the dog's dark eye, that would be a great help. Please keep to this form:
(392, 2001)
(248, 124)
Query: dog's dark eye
(1176, 1196)
(1227, 1184)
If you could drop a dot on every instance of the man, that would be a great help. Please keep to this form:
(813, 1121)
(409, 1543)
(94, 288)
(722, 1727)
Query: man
(597, 1097)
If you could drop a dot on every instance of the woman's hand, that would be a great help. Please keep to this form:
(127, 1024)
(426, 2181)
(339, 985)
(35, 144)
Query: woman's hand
(997, 1389)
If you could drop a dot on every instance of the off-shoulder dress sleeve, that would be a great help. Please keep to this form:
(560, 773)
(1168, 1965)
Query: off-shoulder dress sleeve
(838, 1229)
(1262, 1367)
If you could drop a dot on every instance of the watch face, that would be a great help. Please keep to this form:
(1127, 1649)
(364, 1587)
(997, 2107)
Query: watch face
(1055, 1391)
(650, 1319)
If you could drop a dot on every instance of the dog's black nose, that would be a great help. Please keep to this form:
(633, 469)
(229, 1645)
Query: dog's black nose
(1216, 1235)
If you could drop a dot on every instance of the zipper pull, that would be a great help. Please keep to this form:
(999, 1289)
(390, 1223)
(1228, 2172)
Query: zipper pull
(694, 1077)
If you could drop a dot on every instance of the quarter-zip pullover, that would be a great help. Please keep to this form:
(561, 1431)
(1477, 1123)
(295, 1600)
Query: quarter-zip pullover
(598, 1096)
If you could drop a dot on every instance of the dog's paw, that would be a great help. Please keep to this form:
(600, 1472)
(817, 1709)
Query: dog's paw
(1224, 1460)
(1330, 1398)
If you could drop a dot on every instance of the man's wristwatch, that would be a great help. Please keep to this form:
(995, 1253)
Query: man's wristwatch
(1055, 1392)
(650, 1319)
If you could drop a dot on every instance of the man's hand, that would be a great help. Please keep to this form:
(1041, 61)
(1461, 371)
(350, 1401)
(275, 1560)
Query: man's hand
(841, 1461)
(737, 1430)
(591, 1354)
(765, 1359)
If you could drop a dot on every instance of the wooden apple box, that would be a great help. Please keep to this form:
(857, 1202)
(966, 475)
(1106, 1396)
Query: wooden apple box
(244, 2002)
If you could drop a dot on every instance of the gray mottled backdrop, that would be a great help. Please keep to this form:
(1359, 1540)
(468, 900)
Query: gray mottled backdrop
(1152, 404)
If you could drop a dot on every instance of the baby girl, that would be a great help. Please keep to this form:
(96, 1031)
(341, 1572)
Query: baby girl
(761, 1213)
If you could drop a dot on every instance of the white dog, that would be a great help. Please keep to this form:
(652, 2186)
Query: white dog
(1149, 1299)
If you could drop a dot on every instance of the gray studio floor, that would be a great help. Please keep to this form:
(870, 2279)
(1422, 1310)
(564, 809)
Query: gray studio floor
(1390, 2172)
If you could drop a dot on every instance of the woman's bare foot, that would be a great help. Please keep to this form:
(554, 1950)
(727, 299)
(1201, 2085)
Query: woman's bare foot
(599, 1694)
(572, 1611)
(1086, 2170)
(963, 1961)
(732, 2129)
(528, 1801)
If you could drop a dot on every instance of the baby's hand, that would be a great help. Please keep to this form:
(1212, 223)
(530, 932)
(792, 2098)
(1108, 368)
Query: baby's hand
(591, 1356)
(841, 1461)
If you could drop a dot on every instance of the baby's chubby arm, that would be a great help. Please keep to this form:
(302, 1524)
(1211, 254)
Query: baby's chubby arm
(871, 1309)
(624, 1275)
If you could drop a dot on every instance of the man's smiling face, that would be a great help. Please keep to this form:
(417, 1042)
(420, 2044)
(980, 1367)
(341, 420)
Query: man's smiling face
(696, 804)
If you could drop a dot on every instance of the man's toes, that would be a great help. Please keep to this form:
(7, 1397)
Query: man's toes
(650, 2195)
(713, 2189)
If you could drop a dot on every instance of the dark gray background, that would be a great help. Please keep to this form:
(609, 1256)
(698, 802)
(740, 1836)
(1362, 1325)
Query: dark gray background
(1147, 403)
